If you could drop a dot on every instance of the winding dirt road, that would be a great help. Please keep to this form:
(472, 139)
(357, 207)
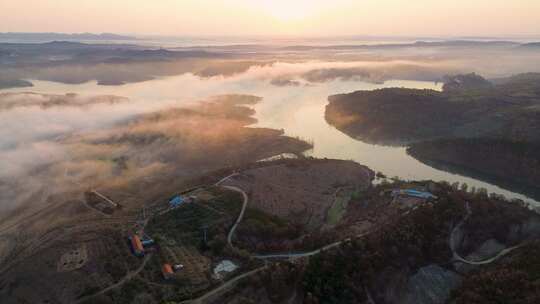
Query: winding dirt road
(452, 242)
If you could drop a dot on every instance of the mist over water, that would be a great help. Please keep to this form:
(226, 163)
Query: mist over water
(29, 135)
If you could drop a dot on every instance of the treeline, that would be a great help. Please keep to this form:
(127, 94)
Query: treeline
(397, 250)
(498, 159)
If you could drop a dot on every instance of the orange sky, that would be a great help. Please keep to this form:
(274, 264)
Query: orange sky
(275, 17)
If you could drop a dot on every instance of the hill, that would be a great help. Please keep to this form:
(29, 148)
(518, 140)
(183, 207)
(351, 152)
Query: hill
(468, 107)
(63, 36)
(429, 253)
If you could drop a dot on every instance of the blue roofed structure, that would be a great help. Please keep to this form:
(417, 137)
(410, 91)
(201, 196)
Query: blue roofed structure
(414, 193)
(176, 201)
(420, 194)
(147, 242)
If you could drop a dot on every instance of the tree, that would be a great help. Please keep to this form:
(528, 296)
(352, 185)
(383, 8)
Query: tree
(482, 192)
(217, 244)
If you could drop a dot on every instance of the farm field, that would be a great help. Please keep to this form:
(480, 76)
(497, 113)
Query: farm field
(300, 191)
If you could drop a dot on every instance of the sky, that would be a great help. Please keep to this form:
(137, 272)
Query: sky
(275, 17)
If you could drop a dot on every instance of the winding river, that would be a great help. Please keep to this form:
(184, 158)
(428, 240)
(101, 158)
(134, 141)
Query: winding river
(299, 110)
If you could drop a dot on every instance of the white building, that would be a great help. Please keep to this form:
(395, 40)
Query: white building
(223, 268)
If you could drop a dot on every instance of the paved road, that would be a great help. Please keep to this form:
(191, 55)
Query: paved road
(224, 286)
(309, 253)
(126, 278)
(244, 205)
(490, 260)
(295, 255)
(226, 178)
(240, 216)
(453, 244)
(229, 283)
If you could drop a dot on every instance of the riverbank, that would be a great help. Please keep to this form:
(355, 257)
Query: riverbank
(511, 165)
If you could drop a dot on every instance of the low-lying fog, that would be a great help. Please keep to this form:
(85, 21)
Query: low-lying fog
(39, 146)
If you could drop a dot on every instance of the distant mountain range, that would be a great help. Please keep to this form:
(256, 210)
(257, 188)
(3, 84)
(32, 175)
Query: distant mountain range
(416, 44)
(531, 45)
(62, 36)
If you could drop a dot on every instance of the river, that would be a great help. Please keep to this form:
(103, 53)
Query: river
(299, 110)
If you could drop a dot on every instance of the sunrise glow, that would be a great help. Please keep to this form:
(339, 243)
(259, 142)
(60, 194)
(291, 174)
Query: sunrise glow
(268, 17)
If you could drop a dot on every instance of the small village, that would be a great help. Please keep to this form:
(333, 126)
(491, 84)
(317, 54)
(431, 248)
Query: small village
(176, 260)
(180, 259)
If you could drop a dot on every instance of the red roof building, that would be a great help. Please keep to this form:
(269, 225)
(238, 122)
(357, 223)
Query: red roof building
(167, 271)
(137, 246)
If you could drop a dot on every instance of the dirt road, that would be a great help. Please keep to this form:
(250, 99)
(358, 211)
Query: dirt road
(126, 278)
(452, 242)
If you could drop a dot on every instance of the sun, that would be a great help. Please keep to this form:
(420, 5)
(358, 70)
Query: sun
(291, 10)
